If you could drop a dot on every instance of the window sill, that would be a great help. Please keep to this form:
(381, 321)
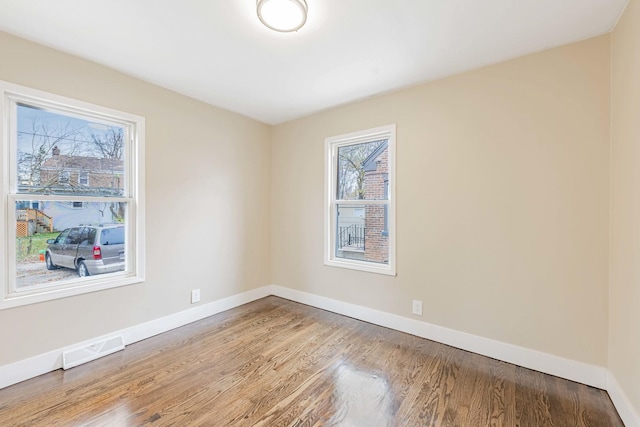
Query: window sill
(368, 267)
(74, 287)
(348, 249)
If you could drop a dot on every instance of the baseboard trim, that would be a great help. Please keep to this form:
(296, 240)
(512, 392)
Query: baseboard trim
(21, 370)
(167, 323)
(629, 416)
(584, 373)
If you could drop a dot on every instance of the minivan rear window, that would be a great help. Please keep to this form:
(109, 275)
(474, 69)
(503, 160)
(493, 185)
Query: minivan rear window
(112, 236)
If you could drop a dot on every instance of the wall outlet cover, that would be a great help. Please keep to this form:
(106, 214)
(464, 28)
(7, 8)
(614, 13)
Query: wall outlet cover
(195, 296)
(417, 307)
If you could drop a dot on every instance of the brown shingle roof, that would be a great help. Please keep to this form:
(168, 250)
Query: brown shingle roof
(94, 164)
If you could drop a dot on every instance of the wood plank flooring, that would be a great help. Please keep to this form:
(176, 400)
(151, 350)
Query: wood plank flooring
(274, 362)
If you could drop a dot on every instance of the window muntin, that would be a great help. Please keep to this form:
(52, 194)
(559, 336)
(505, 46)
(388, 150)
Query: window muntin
(70, 164)
(360, 213)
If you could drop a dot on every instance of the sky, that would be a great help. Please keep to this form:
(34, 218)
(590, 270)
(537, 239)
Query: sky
(54, 124)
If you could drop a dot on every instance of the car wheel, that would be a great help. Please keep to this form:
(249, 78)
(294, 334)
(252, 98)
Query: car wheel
(49, 262)
(83, 271)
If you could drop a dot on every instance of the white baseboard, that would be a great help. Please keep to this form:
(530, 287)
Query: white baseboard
(629, 416)
(16, 372)
(164, 324)
(584, 373)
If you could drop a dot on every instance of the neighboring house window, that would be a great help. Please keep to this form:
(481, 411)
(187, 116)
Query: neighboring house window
(54, 144)
(83, 178)
(63, 177)
(360, 200)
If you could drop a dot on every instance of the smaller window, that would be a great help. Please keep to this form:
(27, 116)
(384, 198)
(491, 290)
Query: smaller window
(63, 177)
(360, 201)
(78, 205)
(83, 178)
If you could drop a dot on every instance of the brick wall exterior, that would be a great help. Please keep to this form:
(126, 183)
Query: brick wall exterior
(376, 243)
(96, 179)
(100, 173)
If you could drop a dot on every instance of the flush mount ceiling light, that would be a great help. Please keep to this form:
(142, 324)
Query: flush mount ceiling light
(282, 15)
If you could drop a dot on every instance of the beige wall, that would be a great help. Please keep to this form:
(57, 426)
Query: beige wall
(503, 196)
(624, 307)
(502, 207)
(207, 221)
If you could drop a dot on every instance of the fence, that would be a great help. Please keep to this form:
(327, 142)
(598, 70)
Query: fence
(351, 237)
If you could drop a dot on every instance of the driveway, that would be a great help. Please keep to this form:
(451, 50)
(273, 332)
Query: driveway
(35, 273)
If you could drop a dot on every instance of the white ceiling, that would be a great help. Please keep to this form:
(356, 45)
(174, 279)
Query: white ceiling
(217, 50)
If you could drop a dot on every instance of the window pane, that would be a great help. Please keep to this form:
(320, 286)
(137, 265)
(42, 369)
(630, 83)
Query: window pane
(57, 242)
(361, 233)
(362, 171)
(63, 154)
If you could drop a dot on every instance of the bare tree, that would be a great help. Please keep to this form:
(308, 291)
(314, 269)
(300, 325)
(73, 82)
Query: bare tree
(351, 169)
(42, 140)
(110, 145)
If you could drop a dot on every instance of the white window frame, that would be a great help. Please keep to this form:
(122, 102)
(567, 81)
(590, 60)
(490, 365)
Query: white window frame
(330, 218)
(134, 272)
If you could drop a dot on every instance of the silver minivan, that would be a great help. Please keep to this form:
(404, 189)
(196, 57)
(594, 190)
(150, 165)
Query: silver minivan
(90, 249)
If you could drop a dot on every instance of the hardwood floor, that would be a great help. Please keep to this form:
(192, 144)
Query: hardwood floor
(274, 362)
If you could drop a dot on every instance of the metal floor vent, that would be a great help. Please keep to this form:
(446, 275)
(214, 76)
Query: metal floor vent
(90, 352)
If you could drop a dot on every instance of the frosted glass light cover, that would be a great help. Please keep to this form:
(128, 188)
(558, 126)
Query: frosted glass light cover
(282, 15)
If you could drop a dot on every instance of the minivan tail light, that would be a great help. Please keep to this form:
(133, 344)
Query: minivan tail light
(97, 252)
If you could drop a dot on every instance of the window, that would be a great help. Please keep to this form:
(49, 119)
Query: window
(63, 176)
(360, 200)
(51, 209)
(83, 178)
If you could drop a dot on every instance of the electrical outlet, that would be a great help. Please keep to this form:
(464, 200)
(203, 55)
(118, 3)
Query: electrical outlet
(195, 296)
(417, 307)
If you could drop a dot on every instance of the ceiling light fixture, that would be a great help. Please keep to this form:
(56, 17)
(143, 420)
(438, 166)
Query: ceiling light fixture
(282, 15)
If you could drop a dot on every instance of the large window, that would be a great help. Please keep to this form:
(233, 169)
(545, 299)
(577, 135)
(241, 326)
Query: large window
(72, 197)
(360, 200)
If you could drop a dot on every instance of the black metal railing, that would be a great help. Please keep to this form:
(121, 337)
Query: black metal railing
(351, 236)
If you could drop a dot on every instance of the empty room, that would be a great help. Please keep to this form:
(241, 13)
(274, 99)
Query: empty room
(320, 213)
